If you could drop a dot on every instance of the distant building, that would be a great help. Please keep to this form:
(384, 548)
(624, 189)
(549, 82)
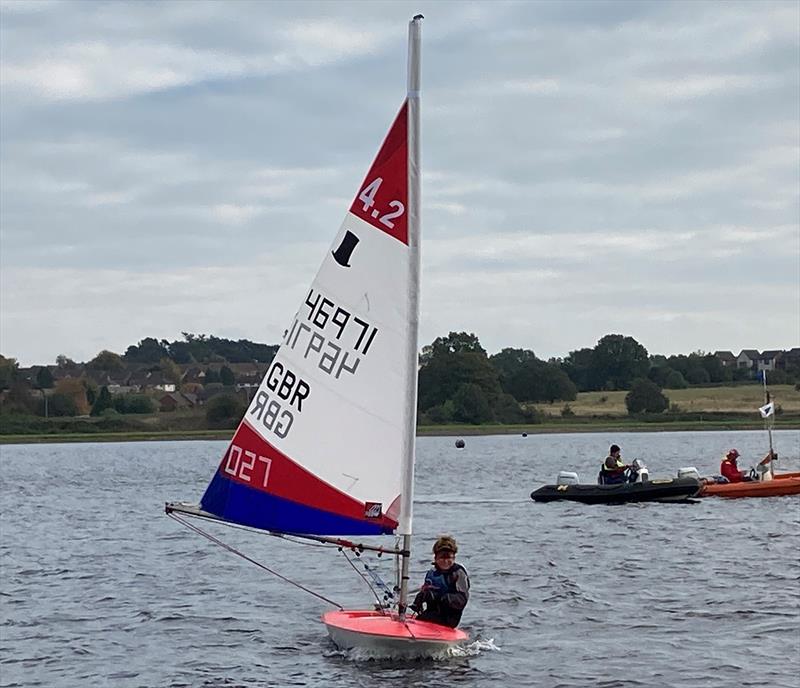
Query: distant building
(767, 359)
(748, 358)
(172, 401)
(727, 358)
(787, 360)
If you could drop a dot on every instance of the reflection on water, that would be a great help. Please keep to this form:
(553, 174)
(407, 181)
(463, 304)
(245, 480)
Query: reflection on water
(100, 588)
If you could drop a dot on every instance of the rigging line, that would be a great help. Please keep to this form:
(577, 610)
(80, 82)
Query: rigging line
(364, 578)
(233, 550)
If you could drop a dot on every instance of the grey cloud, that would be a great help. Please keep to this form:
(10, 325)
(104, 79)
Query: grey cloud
(655, 140)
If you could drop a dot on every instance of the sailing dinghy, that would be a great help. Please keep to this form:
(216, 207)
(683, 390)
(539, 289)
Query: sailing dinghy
(326, 448)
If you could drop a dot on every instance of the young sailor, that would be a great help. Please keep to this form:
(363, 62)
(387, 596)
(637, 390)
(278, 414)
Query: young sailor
(445, 593)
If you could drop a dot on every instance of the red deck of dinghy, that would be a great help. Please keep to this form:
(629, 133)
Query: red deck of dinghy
(387, 627)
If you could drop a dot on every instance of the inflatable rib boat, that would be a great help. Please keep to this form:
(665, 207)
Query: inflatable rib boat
(665, 490)
(639, 488)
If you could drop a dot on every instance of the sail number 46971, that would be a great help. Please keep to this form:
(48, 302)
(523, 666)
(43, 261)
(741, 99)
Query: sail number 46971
(367, 197)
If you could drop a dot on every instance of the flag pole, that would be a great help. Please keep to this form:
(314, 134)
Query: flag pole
(767, 419)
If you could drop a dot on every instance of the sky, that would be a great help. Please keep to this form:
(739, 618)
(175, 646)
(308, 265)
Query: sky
(587, 168)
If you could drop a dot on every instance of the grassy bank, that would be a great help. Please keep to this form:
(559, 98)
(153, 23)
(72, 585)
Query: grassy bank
(712, 408)
(564, 426)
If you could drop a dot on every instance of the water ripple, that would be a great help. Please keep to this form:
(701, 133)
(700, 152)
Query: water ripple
(101, 589)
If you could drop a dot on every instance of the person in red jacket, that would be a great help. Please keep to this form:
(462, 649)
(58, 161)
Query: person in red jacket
(730, 470)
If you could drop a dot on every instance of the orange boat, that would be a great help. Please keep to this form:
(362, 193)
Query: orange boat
(781, 484)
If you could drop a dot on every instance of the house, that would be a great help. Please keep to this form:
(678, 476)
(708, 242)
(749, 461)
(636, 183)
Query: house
(748, 358)
(172, 401)
(767, 359)
(194, 375)
(150, 379)
(727, 358)
(787, 360)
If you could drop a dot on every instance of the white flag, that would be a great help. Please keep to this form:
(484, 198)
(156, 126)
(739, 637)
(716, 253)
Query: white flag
(767, 409)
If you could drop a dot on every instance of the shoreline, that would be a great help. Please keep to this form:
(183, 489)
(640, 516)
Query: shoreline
(422, 431)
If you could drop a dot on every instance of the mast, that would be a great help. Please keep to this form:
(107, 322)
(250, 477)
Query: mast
(414, 205)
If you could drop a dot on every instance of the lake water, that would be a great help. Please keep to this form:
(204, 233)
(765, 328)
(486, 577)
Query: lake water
(100, 588)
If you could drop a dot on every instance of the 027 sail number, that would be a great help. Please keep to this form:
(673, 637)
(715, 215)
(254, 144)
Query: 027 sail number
(367, 197)
(243, 463)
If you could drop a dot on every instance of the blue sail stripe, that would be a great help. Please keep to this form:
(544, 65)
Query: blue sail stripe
(247, 506)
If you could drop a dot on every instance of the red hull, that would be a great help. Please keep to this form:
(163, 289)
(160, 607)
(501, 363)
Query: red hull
(781, 485)
(374, 630)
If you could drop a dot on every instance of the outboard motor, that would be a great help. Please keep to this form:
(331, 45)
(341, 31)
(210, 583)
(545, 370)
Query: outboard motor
(763, 471)
(567, 478)
(688, 472)
(638, 472)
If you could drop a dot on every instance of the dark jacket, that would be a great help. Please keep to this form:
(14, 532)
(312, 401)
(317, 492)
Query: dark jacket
(443, 597)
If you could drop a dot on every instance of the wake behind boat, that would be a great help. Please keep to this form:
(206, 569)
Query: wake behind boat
(637, 488)
(326, 448)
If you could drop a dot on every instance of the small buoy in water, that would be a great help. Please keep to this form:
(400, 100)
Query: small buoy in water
(524, 434)
(460, 444)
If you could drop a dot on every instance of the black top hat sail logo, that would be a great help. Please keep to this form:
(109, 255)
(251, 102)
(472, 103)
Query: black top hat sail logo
(342, 254)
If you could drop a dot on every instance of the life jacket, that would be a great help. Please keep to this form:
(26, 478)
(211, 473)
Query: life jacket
(438, 610)
(730, 470)
(611, 476)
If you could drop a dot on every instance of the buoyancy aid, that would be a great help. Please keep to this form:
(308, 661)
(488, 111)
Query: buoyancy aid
(730, 470)
(611, 475)
(446, 596)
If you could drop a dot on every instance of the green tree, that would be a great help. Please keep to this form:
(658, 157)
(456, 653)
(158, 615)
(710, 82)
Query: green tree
(226, 376)
(44, 378)
(508, 410)
(528, 378)
(106, 361)
(103, 402)
(8, 372)
(148, 350)
(65, 362)
(470, 404)
(212, 376)
(645, 397)
(698, 375)
(455, 342)
(617, 361)
(18, 399)
(716, 371)
(660, 373)
(578, 366)
(59, 404)
(134, 403)
(556, 385)
(170, 370)
(446, 371)
(75, 389)
(675, 381)
(225, 411)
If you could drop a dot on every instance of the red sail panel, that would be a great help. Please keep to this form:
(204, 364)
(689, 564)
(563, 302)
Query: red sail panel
(252, 461)
(382, 199)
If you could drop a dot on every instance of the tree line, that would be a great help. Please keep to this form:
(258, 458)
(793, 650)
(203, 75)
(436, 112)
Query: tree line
(458, 380)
